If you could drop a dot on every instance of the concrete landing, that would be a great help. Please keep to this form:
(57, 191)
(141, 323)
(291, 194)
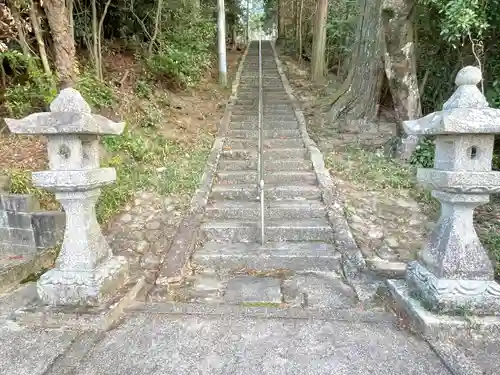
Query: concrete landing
(155, 344)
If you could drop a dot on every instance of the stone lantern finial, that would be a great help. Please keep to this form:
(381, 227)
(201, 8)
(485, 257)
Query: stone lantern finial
(69, 100)
(467, 95)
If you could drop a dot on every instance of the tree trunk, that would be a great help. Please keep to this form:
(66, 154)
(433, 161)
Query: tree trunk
(70, 4)
(221, 33)
(99, 38)
(234, 37)
(39, 37)
(248, 21)
(400, 67)
(64, 44)
(21, 36)
(281, 19)
(95, 46)
(400, 60)
(358, 98)
(157, 26)
(319, 41)
(301, 8)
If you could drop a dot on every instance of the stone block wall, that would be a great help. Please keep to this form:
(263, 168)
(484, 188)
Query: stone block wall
(24, 229)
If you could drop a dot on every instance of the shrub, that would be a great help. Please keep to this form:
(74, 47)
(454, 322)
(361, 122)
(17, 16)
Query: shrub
(423, 156)
(95, 92)
(30, 88)
(183, 57)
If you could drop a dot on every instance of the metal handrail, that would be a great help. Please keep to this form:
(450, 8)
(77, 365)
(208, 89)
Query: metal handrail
(260, 161)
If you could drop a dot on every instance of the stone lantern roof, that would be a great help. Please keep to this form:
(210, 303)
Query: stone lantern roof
(466, 112)
(70, 114)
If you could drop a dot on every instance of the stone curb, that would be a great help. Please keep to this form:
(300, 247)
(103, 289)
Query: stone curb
(184, 241)
(229, 311)
(456, 362)
(386, 269)
(353, 261)
(93, 319)
(11, 276)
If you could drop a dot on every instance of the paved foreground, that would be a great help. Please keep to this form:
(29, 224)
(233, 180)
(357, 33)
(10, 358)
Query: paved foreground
(281, 308)
(159, 344)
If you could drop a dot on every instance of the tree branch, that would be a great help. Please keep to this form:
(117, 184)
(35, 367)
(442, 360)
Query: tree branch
(157, 26)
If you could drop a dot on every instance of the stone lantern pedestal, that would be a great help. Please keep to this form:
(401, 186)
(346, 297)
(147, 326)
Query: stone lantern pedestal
(453, 275)
(86, 272)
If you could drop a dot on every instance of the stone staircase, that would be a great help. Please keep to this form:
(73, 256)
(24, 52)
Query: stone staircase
(299, 238)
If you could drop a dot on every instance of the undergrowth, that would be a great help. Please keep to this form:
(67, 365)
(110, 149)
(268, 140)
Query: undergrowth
(142, 157)
(372, 170)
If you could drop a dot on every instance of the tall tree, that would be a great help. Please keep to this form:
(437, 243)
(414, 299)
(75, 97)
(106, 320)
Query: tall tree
(383, 46)
(281, 19)
(37, 29)
(319, 41)
(64, 44)
(221, 33)
(21, 36)
(401, 67)
(358, 97)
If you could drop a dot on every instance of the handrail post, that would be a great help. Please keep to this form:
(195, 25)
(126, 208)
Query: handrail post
(260, 161)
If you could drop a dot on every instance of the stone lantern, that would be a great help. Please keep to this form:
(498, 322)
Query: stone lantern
(453, 272)
(86, 272)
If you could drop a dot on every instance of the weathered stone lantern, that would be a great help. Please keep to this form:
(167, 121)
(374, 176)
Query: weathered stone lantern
(453, 272)
(86, 272)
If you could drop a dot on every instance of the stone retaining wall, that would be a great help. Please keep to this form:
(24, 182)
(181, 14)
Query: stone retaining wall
(24, 228)
(28, 236)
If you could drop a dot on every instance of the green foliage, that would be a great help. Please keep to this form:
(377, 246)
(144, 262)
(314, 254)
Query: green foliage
(30, 88)
(423, 157)
(496, 155)
(95, 92)
(143, 89)
(460, 18)
(20, 183)
(33, 90)
(340, 27)
(373, 170)
(372, 167)
(183, 57)
(146, 160)
(134, 147)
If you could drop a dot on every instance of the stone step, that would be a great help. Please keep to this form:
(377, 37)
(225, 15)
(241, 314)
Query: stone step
(268, 109)
(273, 210)
(252, 84)
(253, 93)
(276, 231)
(271, 165)
(253, 111)
(271, 154)
(268, 134)
(248, 192)
(244, 92)
(291, 123)
(253, 101)
(295, 256)
(247, 177)
(236, 143)
(254, 118)
(246, 289)
(279, 117)
(273, 79)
